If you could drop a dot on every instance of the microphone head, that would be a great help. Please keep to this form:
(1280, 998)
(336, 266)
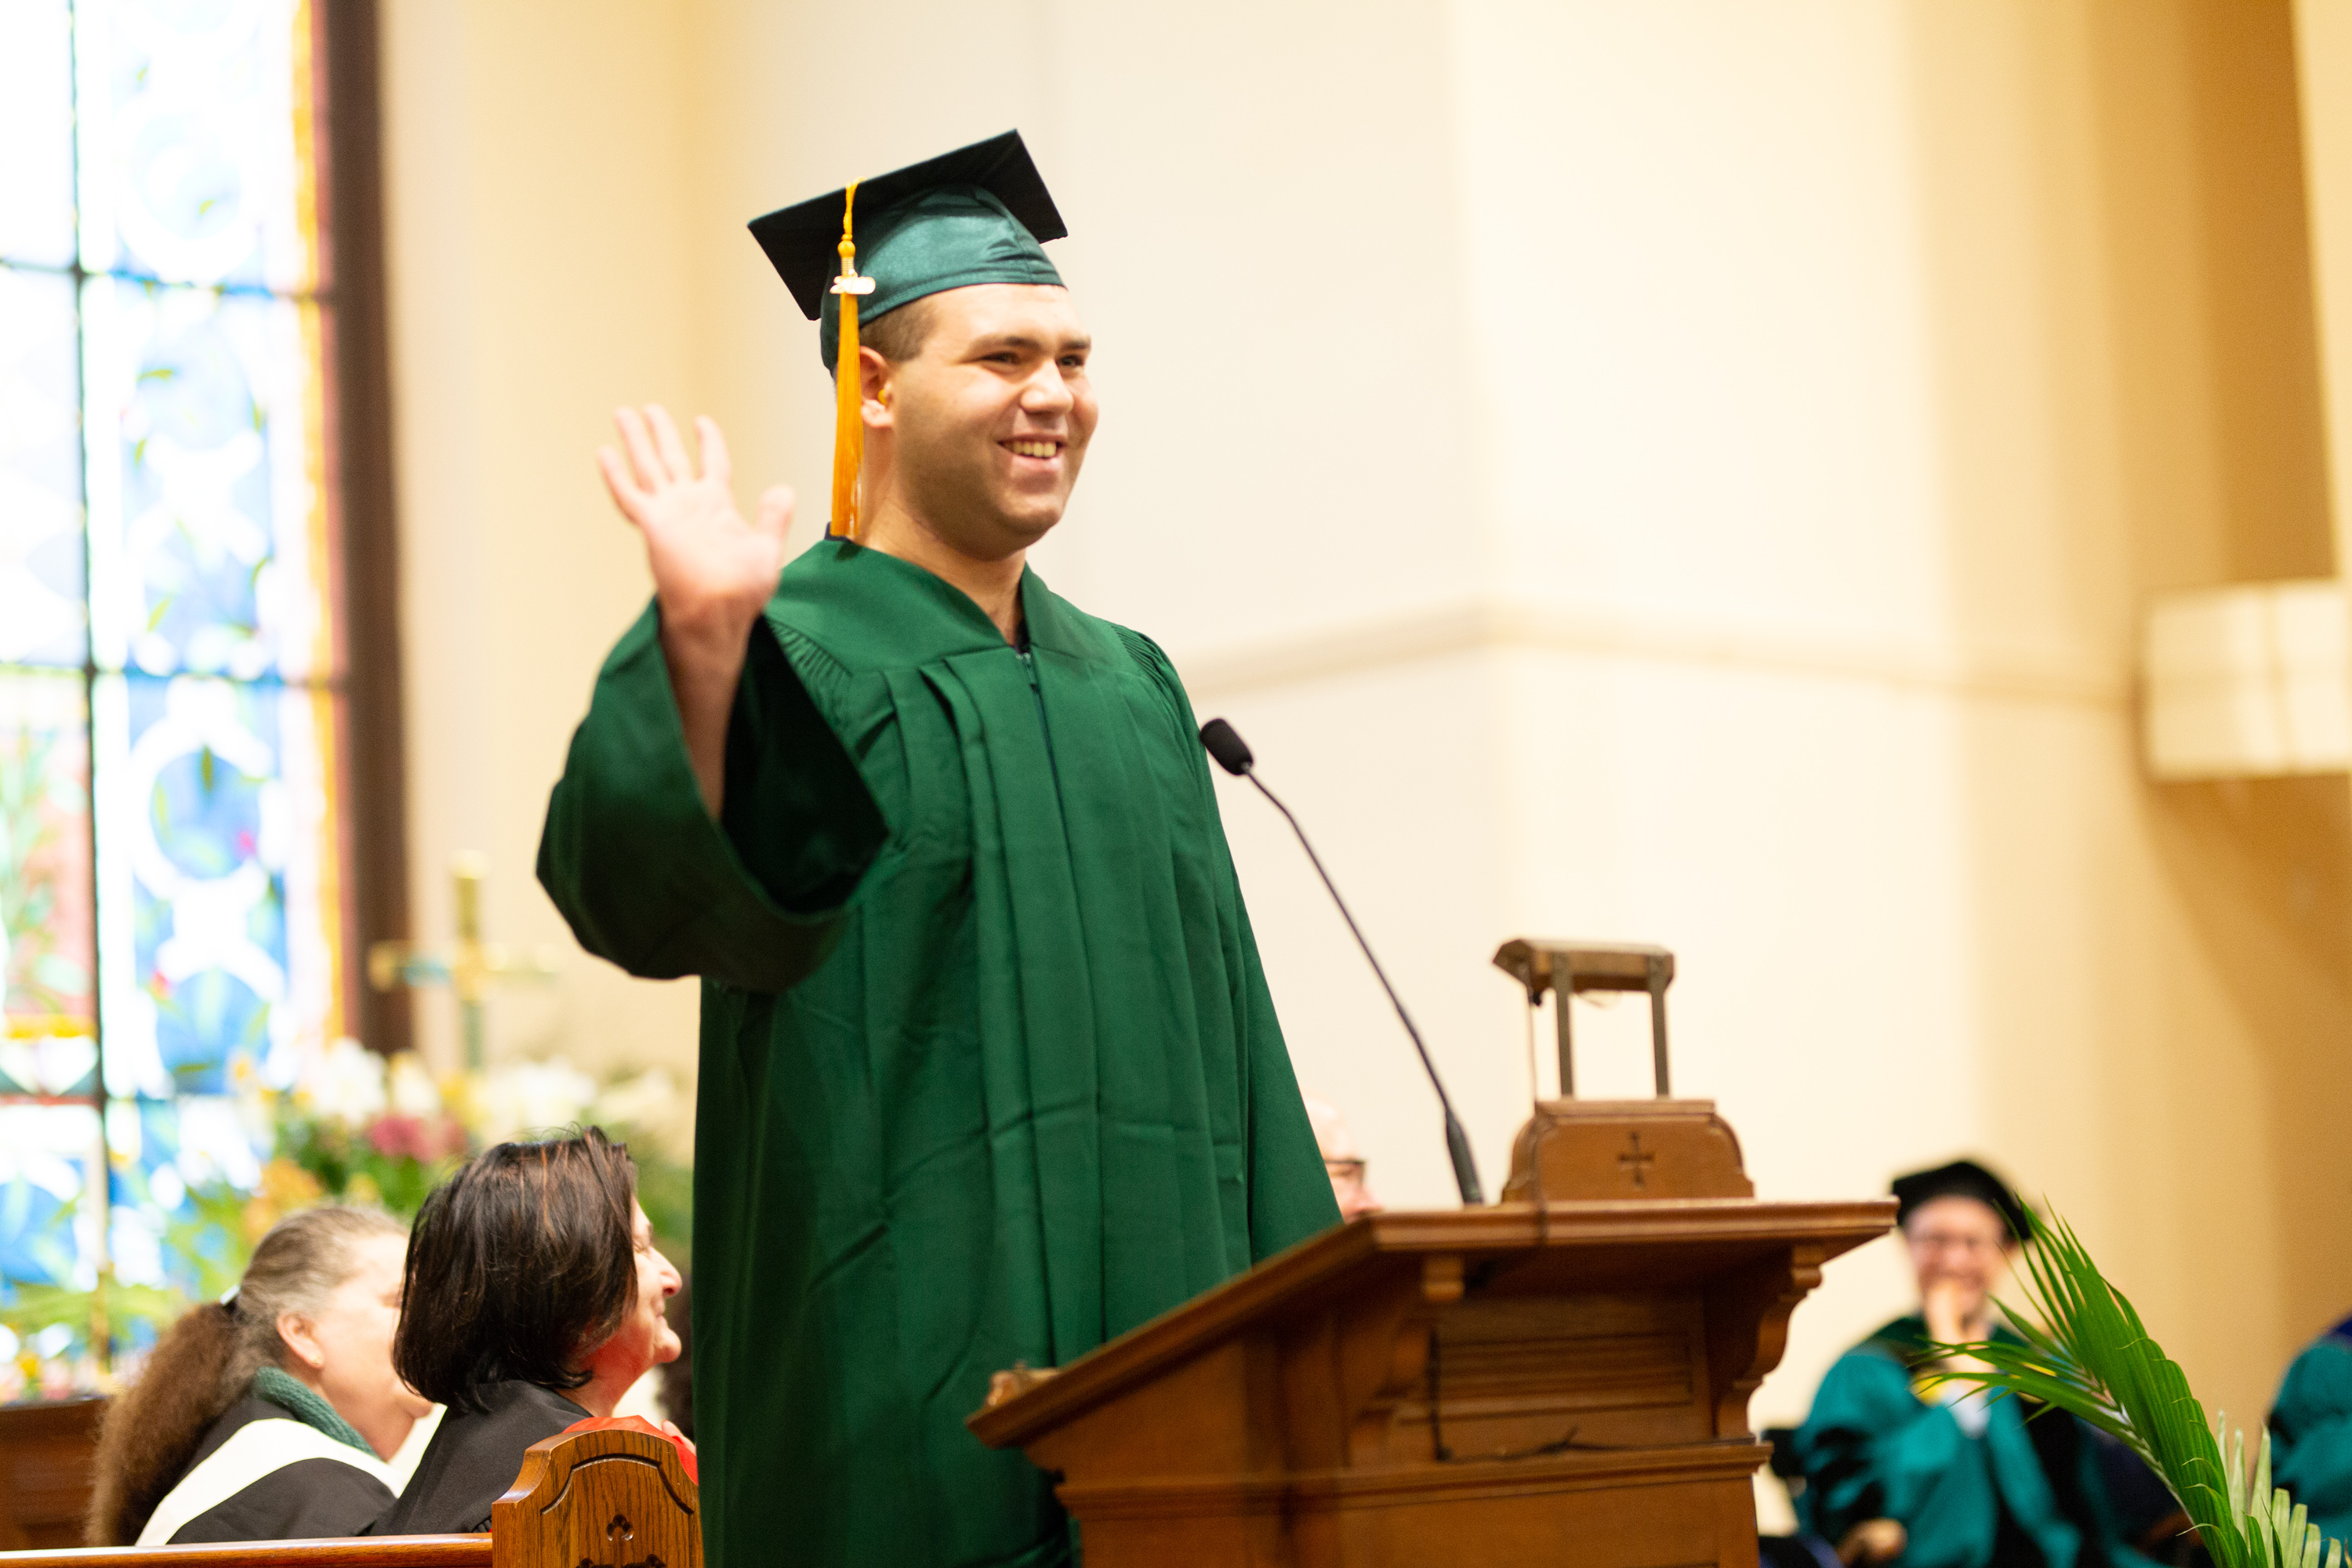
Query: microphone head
(1225, 744)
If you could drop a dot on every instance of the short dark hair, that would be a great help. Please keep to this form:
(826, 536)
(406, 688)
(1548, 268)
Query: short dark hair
(518, 1266)
(899, 335)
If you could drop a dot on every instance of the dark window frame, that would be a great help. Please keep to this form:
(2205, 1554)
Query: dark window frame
(361, 489)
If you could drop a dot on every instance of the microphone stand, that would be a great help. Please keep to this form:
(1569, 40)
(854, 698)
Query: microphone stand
(1457, 1142)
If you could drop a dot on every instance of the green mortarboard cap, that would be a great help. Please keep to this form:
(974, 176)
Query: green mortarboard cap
(974, 216)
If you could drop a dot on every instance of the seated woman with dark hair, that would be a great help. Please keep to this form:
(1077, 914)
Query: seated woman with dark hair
(534, 1299)
(267, 1416)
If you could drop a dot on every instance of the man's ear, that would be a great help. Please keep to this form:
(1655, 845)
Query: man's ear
(875, 376)
(303, 1339)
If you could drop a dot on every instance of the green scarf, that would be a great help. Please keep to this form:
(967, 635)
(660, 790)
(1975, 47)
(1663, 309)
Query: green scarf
(307, 1406)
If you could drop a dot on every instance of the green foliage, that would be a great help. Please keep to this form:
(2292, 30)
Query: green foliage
(40, 1307)
(349, 1165)
(2091, 1355)
(666, 1192)
(211, 1240)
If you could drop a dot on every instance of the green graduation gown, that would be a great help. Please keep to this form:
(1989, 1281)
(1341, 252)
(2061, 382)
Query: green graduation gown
(990, 1073)
(2311, 1432)
(1874, 1447)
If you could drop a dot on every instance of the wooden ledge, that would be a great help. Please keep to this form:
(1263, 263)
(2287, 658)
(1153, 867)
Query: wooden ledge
(1188, 1497)
(1734, 1459)
(1696, 1236)
(1601, 1223)
(362, 1552)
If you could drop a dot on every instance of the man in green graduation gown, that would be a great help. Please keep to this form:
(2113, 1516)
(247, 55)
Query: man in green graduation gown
(990, 1073)
(1904, 1470)
(2311, 1432)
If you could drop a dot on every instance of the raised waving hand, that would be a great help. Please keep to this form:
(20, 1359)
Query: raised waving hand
(712, 570)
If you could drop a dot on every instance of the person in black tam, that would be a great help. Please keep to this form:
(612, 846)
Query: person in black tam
(1939, 1475)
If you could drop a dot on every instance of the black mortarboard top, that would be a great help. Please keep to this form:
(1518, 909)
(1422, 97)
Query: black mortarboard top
(978, 215)
(1963, 1179)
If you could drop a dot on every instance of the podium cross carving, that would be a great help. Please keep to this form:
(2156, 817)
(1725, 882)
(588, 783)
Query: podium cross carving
(1637, 1161)
(469, 968)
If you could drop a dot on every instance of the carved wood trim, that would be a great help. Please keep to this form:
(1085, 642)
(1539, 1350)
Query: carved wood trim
(609, 1499)
(1747, 1328)
(1314, 1274)
(1671, 1465)
(1191, 1498)
(1345, 1369)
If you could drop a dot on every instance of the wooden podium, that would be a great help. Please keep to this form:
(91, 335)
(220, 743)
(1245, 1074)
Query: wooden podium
(1557, 1380)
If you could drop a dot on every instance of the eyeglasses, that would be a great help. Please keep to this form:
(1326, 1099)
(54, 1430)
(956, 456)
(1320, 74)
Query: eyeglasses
(1954, 1241)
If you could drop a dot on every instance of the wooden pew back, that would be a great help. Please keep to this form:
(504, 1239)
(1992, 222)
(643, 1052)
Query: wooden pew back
(588, 1499)
(44, 1461)
(609, 1499)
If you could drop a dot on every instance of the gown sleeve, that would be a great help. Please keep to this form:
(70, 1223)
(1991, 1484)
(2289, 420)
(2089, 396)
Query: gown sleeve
(644, 875)
(2311, 1434)
(1871, 1448)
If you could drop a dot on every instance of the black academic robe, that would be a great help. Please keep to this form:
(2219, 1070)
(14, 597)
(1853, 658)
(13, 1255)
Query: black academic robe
(260, 1475)
(474, 1458)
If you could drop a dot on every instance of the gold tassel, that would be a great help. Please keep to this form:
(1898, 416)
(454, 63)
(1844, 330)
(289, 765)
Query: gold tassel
(849, 424)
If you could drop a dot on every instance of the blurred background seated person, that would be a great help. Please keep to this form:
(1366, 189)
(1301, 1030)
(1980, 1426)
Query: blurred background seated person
(2311, 1432)
(1939, 1475)
(267, 1415)
(1343, 1162)
(534, 1299)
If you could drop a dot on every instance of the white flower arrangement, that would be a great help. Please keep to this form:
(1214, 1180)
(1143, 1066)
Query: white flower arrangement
(344, 1082)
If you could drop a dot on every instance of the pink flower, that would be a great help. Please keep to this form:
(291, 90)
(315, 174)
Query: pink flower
(415, 1137)
(401, 1135)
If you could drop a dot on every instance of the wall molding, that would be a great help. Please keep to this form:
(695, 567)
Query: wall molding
(1495, 624)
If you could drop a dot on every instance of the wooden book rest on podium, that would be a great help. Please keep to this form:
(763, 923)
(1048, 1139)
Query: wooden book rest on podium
(1559, 1379)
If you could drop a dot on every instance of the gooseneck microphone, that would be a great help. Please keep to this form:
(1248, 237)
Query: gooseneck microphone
(1233, 754)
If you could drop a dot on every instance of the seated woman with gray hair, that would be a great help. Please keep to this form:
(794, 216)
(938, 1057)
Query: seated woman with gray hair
(267, 1415)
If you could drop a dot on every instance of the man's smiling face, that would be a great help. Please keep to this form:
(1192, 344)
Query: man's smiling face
(990, 421)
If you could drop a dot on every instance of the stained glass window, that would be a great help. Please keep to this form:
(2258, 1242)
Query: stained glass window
(172, 914)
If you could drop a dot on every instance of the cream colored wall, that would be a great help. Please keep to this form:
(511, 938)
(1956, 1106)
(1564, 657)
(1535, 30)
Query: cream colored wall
(542, 265)
(2324, 52)
(1682, 470)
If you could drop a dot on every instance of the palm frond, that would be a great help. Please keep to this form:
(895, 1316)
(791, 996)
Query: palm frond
(2092, 1356)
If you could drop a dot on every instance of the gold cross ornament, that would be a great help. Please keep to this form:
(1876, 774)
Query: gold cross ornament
(469, 969)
